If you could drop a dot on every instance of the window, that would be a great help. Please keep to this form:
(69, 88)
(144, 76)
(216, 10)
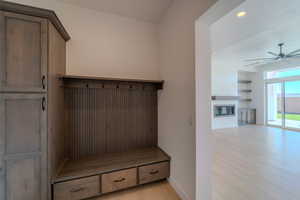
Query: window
(283, 73)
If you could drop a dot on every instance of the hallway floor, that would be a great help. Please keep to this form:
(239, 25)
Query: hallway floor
(256, 163)
(154, 191)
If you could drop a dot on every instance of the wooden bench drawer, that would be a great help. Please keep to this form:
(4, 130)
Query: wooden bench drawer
(154, 172)
(77, 189)
(119, 180)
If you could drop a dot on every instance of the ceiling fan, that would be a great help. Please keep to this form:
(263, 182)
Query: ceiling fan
(281, 55)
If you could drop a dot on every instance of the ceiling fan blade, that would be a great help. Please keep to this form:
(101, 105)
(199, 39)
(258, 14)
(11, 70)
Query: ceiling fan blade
(293, 55)
(274, 54)
(252, 64)
(293, 52)
(257, 63)
(259, 59)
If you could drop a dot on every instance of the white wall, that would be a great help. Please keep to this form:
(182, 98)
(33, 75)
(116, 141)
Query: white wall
(224, 82)
(177, 100)
(104, 44)
(224, 79)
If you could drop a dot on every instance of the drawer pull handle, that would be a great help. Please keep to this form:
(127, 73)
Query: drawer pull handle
(120, 180)
(43, 103)
(43, 82)
(77, 190)
(154, 172)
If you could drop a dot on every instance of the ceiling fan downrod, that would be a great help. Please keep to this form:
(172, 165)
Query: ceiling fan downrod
(281, 54)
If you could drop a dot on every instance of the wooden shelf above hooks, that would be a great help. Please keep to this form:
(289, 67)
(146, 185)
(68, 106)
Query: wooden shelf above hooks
(71, 78)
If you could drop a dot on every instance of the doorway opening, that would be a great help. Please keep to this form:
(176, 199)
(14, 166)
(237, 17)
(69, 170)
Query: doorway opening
(241, 51)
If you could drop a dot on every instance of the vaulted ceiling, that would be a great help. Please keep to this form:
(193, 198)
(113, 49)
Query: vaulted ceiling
(146, 10)
(267, 23)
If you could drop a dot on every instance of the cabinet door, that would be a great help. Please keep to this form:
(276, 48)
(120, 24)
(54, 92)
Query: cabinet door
(23, 53)
(23, 147)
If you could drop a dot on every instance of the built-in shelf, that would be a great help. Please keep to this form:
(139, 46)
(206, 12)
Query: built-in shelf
(245, 100)
(244, 81)
(225, 98)
(157, 83)
(245, 91)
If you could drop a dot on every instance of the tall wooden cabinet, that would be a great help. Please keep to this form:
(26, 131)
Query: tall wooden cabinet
(32, 54)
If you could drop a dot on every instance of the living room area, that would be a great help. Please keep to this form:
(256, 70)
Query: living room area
(256, 102)
(255, 67)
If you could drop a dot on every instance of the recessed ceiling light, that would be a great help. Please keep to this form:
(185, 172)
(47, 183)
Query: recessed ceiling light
(241, 14)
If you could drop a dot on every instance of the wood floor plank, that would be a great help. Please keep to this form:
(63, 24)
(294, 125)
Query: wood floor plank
(256, 163)
(155, 191)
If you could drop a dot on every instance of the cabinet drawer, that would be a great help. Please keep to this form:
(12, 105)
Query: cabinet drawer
(77, 189)
(154, 172)
(119, 180)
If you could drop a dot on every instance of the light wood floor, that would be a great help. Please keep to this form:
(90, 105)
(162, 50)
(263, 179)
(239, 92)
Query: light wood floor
(256, 163)
(155, 191)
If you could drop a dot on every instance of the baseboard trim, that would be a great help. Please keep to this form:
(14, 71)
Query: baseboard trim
(178, 189)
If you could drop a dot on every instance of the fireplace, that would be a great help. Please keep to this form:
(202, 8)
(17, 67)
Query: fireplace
(224, 110)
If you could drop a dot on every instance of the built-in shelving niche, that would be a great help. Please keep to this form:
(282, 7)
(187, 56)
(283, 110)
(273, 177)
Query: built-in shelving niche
(106, 115)
(225, 98)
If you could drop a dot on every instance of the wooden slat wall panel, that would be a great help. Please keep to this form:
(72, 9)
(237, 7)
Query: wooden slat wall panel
(99, 120)
(112, 118)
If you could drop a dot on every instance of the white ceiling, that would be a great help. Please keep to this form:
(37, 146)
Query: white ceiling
(146, 10)
(267, 23)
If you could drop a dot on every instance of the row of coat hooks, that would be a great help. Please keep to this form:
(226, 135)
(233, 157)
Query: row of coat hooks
(115, 83)
(87, 85)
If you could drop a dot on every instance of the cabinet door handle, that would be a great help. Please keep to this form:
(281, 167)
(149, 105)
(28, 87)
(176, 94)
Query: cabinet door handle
(43, 82)
(43, 103)
(154, 172)
(77, 190)
(120, 180)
